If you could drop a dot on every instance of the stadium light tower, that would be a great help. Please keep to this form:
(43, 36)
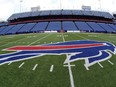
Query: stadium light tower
(60, 4)
(100, 4)
(20, 5)
(113, 4)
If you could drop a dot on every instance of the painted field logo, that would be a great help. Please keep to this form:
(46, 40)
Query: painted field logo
(90, 51)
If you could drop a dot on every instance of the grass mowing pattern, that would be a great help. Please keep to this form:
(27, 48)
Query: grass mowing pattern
(12, 76)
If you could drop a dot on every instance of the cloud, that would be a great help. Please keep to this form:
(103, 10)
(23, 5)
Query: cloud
(5, 10)
(8, 7)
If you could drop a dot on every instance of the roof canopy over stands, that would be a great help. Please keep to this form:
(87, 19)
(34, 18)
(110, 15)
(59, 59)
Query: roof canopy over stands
(60, 12)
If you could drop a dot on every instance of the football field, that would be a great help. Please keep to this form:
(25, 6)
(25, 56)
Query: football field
(49, 70)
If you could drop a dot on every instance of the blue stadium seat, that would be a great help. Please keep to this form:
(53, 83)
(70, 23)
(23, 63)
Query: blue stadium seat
(54, 26)
(5, 30)
(113, 26)
(96, 27)
(83, 26)
(15, 29)
(40, 26)
(106, 27)
(27, 28)
(69, 25)
(2, 28)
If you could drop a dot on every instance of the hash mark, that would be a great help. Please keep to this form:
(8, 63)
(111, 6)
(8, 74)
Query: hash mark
(21, 65)
(67, 65)
(86, 67)
(35, 67)
(52, 67)
(100, 65)
(9, 63)
(110, 62)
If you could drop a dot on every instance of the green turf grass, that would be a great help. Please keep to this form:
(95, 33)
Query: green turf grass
(12, 76)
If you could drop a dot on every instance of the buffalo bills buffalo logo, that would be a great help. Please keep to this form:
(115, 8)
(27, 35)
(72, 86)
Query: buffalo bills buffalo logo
(90, 51)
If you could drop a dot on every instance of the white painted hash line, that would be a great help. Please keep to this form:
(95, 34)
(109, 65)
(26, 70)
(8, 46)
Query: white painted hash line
(9, 63)
(67, 65)
(35, 67)
(21, 65)
(110, 62)
(51, 68)
(86, 67)
(100, 65)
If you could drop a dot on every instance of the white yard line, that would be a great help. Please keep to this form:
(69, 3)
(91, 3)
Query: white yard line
(21, 65)
(110, 62)
(39, 39)
(70, 73)
(69, 68)
(35, 67)
(63, 37)
(100, 65)
(51, 68)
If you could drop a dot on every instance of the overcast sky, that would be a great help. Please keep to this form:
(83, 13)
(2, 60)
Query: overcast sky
(8, 7)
